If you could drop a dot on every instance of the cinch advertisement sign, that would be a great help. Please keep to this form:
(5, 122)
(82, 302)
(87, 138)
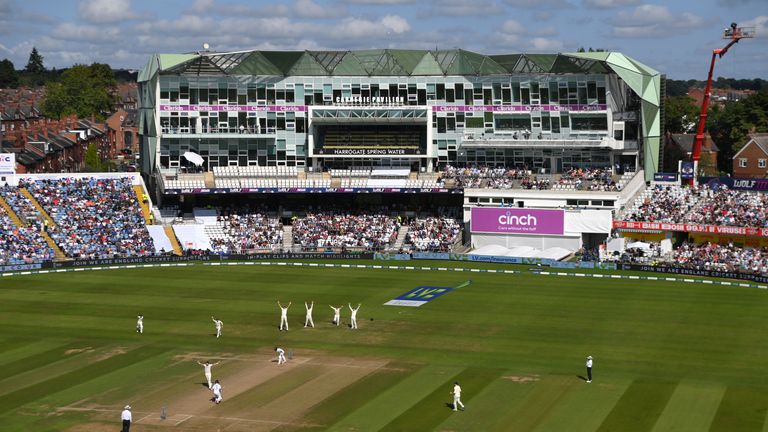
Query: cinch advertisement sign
(517, 220)
(7, 163)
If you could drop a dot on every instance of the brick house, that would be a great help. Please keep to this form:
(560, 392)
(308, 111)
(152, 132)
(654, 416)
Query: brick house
(123, 134)
(752, 160)
(684, 145)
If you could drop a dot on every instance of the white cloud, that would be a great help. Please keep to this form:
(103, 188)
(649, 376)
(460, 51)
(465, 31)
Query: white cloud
(86, 33)
(512, 27)
(760, 23)
(539, 4)
(610, 3)
(203, 6)
(461, 8)
(379, 2)
(310, 9)
(545, 45)
(106, 11)
(653, 21)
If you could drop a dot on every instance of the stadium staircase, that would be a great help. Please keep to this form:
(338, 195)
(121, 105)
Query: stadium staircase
(58, 253)
(210, 183)
(139, 191)
(174, 241)
(287, 237)
(11, 214)
(401, 233)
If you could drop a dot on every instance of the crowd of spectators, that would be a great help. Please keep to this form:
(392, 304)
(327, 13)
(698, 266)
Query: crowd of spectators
(483, 177)
(726, 258)
(246, 230)
(728, 207)
(21, 245)
(341, 229)
(664, 204)
(434, 234)
(593, 179)
(94, 218)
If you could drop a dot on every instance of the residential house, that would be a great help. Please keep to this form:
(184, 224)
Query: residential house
(752, 160)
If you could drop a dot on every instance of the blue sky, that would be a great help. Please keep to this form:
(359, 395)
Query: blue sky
(676, 37)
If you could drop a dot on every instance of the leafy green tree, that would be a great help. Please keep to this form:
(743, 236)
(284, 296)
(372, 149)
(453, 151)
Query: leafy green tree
(83, 90)
(681, 114)
(731, 126)
(35, 63)
(9, 78)
(92, 159)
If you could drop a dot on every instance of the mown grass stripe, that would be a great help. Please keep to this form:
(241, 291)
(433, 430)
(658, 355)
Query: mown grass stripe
(352, 397)
(379, 411)
(36, 360)
(31, 393)
(585, 406)
(436, 407)
(691, 408)
(492, 408)
(19, 349)
(639, 407)
(742, 409)
(533, 409)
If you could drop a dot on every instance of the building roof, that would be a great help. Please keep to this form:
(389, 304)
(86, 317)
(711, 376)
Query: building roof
(760, 140)
(685, 141)
(384, 62)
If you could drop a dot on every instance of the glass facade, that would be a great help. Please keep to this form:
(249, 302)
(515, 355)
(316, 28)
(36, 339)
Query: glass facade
(539, 120)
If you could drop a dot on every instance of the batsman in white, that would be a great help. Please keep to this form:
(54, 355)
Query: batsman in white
(219, 324)
(207, 370)
(216, 392)
(354, 315)
(457, 397)
(280, 355)
(140, 324)
(336, 314)
(284, 315)
(308, 320)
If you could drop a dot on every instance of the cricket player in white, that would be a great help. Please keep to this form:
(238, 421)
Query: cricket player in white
(284, 315)
(207, 369)
(216, 392)
(308, 320)
(354, 315)
(219, 324)
(336, 315)
(280, 355)
(457, 397)
(140, 324)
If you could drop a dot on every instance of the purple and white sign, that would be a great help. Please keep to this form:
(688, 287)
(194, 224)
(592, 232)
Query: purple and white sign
(225, 108)
(509, 220)
(519, 108)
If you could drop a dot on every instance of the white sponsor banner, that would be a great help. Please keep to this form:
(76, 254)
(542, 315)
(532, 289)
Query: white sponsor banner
(7, 163)
(409, 303)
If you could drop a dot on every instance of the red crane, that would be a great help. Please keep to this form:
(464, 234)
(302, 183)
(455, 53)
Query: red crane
(735, 34)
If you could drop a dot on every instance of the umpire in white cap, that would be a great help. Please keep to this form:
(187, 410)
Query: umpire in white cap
(589, 369)
(127, 418)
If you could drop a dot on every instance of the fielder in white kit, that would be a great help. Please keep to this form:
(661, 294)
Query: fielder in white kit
(140, 324)
(354, 315)
(284, 315)
(308, 320)
(219, 324)
(336, 315)
(457, 397)
(207, 369)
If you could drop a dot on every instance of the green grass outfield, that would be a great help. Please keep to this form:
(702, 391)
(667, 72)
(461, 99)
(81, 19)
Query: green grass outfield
(669, 356)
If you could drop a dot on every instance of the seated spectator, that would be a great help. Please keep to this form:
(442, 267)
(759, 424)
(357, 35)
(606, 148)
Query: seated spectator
(95, 218)
(435, 234)
(21, 245)
(247, 230)
(334, 229)
(665, 204)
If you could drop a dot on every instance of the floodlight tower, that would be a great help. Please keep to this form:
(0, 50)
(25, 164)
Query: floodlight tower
(735, 34)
